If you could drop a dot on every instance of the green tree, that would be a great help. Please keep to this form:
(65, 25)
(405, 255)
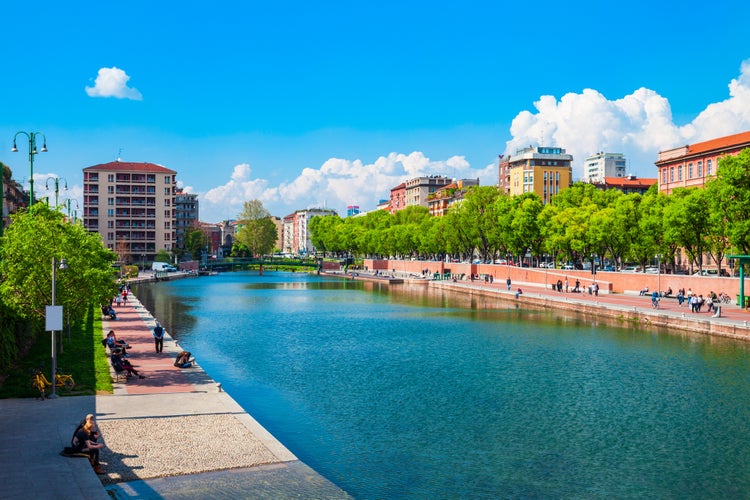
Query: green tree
(733, 196)
(29, 245)
(257, 231)
(194, 242)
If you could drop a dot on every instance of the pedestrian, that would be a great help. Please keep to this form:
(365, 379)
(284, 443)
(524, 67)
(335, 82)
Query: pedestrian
(507, 282)
(158, 337)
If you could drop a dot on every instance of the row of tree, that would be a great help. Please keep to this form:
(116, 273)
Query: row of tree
(35, 238)
(581, 223)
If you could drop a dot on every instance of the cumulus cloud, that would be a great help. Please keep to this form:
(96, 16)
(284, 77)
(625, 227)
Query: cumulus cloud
(638, 125)
(113, 82)
(335, 184)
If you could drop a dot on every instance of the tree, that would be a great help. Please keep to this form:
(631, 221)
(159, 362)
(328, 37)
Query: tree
(257, 232)
(194, 242)
(733, 194)
(35, 237)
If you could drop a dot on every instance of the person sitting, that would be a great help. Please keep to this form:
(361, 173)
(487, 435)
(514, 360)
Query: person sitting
(668, 293)
(183, 360)
(120, 364)
(85, 441)
(108, 312)
(112, 342)
(644, 291)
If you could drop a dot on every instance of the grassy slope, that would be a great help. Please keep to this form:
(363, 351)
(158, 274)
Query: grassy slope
(83, 356)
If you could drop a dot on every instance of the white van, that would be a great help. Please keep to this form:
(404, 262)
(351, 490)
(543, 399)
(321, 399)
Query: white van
(163, 266)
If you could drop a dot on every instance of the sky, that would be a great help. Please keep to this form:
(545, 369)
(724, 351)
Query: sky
(330, 104)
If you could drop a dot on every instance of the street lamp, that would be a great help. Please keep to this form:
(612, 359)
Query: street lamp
(54, 318)
(57, 187)
(658, 273)
(32, 151)
(69, 202)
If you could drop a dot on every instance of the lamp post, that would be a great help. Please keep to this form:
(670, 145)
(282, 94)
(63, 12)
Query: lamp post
(32, 151)
(69, 202)
(57, 187)
(54, 318)
(658, 273)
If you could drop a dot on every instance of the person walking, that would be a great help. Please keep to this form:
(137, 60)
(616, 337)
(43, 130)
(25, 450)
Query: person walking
(158, 337)
(507, 282)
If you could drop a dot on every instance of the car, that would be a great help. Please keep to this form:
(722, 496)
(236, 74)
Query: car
(608, 268)
(567, 267)
(652, 270)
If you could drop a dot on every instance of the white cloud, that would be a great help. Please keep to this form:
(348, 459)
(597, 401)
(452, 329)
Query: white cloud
(113, 82)
(639, 125)
(335, 184)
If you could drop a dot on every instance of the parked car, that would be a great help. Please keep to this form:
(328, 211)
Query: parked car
(652, 270)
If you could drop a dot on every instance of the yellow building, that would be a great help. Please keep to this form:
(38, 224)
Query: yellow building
(541, 170)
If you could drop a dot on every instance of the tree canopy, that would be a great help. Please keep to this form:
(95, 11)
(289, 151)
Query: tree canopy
(258, 232)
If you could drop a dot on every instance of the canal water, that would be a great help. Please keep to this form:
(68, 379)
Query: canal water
(405, 392)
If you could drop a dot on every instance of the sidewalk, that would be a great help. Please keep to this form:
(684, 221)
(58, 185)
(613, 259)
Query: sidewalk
(161, 437)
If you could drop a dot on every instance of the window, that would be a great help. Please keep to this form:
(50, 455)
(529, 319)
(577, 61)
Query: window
(167, 179)
(166, 225)
(671, 174)
(690, 170)
(110, 236)
(708, 167)
(110, 189)
(111, 178)
(110, 223)
(700, 169)
(168, 191)
(679, 173)
(664, 175)
(167, 213)
(110, 212)
(110, 201)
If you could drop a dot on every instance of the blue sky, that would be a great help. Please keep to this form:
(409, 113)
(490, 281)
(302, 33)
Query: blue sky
(305, 104)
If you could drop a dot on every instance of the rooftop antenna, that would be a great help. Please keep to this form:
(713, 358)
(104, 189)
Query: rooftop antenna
(119, 155)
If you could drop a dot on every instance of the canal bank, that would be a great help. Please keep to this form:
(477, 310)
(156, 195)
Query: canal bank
(619, 308)
(174, 434)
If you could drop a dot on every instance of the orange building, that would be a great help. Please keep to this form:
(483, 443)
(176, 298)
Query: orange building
(694, 164)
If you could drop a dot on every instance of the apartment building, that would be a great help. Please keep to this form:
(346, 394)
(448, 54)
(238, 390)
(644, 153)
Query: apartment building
(601, 165)
(441, 200)
(419, 189)
(186, 213)
(694, 164)
(542, 170)
(295, 230)
(132, 206)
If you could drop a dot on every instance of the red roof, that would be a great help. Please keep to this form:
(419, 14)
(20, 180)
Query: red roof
(720, 143)
(626, 182)
(126, 166)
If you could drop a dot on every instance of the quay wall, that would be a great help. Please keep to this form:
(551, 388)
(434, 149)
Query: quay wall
(622, 314)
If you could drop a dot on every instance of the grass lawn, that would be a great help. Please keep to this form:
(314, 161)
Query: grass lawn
(82, 355)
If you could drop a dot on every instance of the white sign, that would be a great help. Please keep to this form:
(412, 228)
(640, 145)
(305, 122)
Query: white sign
(54, 319)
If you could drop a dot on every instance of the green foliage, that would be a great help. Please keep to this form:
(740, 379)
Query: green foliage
(162, 256)
(130, 271)
(195, 243)
(257, 232)
(30, 244)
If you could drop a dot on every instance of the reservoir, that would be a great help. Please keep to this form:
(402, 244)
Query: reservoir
(409, 392)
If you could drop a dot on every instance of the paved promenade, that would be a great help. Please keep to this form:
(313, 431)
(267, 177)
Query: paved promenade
(173, 434)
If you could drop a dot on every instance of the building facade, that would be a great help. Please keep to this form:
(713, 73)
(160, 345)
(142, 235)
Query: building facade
(12, 196)
(441, 200)
(132, 206)
(694, 164)
(503, 174)
(186, 214)
(541, 170)
(601, 165)
(398, 198)
(419, 189)
(295, 230)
